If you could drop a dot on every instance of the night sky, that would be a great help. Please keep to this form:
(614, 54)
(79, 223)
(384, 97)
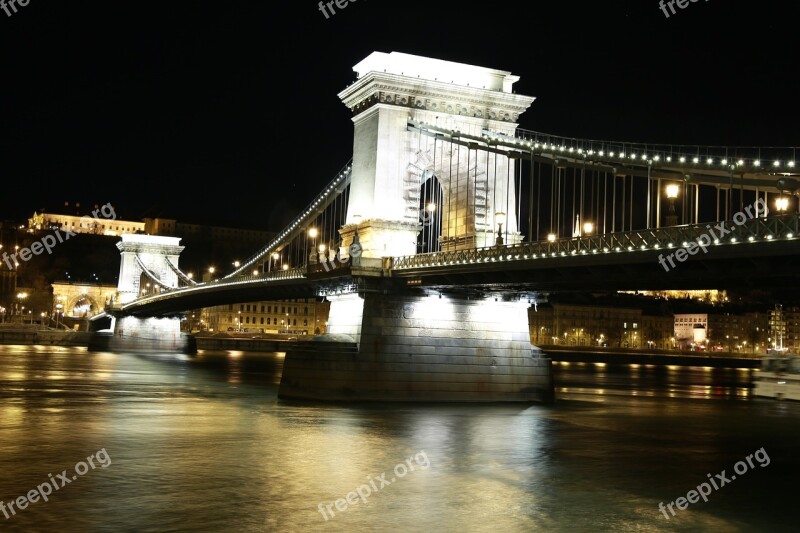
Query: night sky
(226, 113)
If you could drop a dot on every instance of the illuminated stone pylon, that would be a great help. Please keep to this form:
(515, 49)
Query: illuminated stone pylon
(391, 163)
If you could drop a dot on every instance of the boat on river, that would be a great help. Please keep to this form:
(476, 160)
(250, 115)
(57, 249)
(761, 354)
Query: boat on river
(778, 377)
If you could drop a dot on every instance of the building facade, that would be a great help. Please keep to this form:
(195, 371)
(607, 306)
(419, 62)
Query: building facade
(784, 324)
(283, 317)
(599, 326)
(83, 223)
(691, 330)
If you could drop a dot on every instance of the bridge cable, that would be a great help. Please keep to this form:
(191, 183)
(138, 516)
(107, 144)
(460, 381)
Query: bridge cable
(183, 277)
(149, 274)
(519, 199)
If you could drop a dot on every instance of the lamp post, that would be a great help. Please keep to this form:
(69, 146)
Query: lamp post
(588, 228)
(21, 297)
(431, 209)
(500, 217)
(313, 233)
(672, 193)
(782, 204)
(274, 257)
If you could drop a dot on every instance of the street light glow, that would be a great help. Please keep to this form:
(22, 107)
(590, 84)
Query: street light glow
(672, 191)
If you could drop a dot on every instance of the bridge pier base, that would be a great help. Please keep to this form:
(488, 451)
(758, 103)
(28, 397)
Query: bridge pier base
(420, 349)
(146, 335)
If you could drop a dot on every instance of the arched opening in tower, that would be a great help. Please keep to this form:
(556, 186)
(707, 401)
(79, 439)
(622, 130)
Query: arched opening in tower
(431, 208)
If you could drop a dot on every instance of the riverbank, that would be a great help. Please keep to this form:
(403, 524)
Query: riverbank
(22, 334)
(569, 354)
(572, 354)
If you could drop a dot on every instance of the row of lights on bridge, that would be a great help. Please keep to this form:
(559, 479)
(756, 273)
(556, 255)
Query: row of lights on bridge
(300, 220)
(622, 155)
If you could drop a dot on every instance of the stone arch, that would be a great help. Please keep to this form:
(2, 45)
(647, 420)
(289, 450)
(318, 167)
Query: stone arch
(82, 305)
(431, 209)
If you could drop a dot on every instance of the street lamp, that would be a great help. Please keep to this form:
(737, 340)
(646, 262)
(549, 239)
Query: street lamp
(500, 217)
(782, 204)
(21, 297)
(672, 193)
(275, 256)
(312, 232)
(285, 267)
(588, 228)
(551, 237)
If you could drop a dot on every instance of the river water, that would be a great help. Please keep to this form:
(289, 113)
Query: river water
(203, 444)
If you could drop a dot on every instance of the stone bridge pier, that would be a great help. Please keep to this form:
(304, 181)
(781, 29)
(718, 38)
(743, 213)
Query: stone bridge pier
(420, 348)
(155, 258)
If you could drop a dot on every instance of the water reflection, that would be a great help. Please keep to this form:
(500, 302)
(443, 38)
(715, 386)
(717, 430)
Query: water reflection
(203, 444)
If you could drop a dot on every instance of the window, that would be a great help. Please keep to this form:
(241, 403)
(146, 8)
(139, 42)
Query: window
(295, 310)
(295, 322)
(248, 308)
(305, 310)
(269, 309)
(247, 320)
(241, 307)
(269, 321)
(262, 320)
(305, 322)
(262, 310)
(283, 309)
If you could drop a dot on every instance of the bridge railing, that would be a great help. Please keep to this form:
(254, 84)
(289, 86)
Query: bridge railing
(298, 225)
(280, 275)
(773, 228)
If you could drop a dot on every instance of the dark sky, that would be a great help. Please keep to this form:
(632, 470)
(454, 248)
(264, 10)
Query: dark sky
(227, 113)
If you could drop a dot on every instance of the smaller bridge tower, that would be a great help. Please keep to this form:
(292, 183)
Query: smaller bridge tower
(154, 256)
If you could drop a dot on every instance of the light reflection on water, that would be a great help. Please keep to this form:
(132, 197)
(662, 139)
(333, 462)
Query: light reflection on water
(203, 444)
